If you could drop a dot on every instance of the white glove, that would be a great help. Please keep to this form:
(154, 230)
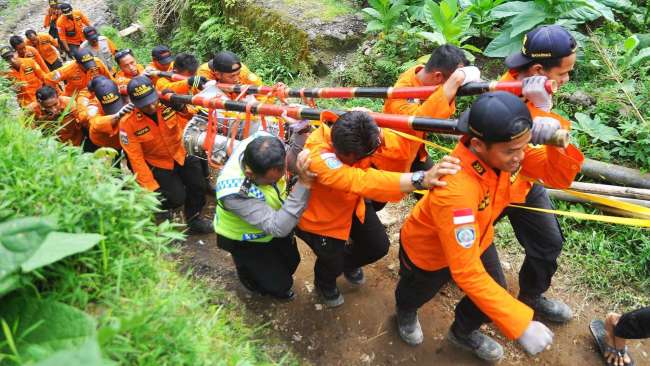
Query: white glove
(534, 90)
(128, 108)
(536, 338)
(472, 74)
(543, 129)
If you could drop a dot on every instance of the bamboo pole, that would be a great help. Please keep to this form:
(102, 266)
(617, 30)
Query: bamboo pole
(617, 191)
(563, 196)
(615, 174)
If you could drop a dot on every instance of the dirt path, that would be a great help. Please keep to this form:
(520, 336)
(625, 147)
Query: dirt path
(363, 331)
(31, 14)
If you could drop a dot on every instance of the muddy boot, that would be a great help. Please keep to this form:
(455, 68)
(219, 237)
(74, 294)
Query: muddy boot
(551, 310)
(200, 225)
(478, 343)
(331, 298)
(409, 327)
(286, 296)
(355, 277)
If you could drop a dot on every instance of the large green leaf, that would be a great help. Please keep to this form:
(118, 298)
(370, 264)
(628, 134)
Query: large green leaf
(58, 246)
(596, 129)
(19, 239)
(435, 37)
(85, 354)
(512, 8)
(522, 23)
(643, 54)
(504, 45)
(41, 328)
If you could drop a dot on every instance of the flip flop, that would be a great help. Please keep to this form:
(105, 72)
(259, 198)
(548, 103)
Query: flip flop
(599, 333)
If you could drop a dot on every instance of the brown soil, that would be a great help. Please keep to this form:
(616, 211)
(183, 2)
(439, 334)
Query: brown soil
(363, 330)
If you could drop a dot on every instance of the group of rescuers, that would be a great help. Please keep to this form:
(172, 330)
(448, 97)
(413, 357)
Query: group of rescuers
(343, 173)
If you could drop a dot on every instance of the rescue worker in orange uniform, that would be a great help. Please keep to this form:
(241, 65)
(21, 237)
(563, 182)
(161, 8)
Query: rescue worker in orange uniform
(47, 47)
(548, 53)
(48, 110)
(151, 137)
(226, 67)
(25, 51)
(447, 68)
(449, 234)
(70, 26)
(77, 74)
(100, 46)
(52, 15)
(129, 68)
(25, 75)
(337, 210)
(161, 60)
(104, 109)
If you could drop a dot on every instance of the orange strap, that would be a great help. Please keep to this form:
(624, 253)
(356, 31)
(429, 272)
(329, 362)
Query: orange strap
(263, 120)
(243, 93)
(247, 123)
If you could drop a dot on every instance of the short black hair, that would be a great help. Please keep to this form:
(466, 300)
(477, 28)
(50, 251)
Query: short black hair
(265, 153)
(186, 62)
(46, 92)
(547, 64)
(446, 59)
(15, 41)
(30, 31)
(355, 133)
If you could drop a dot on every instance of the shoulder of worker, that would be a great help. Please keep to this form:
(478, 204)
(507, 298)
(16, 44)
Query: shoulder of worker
(469, 181)
(408, 77)
(509, 75)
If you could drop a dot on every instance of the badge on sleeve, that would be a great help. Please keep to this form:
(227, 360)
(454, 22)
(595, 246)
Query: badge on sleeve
(463, 216)
(331, 160)
(124, 138)
(465, 236)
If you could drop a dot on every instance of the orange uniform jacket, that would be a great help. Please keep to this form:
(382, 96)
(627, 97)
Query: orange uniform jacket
(122, 80)
(435, 106)
(46, 46)
(100, 127)
(149, 143)
(246, 77)
(340, 189)
(31, 52)
(179, 87)
(71, 30)
(155, 66)
(76, 77)
(71, 131)
(51, 15)
(520, 196)
(453, 225)
(28, 78)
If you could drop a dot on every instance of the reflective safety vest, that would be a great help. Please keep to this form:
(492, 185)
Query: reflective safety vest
(103, 52)
(232, 181)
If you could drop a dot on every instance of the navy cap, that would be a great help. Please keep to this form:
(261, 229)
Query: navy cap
(162, 55)
(497, 117)
(6, 51)
(107, 93)
(141, 91)
(65, 8)
(85, 58)
(225, 61)
(543, 42)
(91, 33)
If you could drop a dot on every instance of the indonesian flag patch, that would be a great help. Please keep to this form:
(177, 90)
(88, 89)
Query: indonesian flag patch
(463, 216)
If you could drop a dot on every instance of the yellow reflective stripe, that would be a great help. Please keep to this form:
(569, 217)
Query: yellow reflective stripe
(625, 206)
(417, 139)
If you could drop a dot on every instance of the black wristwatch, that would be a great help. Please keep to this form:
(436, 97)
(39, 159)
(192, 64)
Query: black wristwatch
(417, 179)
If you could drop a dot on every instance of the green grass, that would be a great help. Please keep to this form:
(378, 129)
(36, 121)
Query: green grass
(326, 10)
(149, 313)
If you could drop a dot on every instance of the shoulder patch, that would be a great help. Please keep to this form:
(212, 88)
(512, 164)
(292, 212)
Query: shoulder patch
(331, 160)
(478, 167)
(485, 202)
(124, 138)
(142, 131)
(465, 236)
(167, 113)
(463, 216)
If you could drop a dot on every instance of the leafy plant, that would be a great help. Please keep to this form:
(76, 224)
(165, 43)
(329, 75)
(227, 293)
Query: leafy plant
(450, 24)
(596, 129)
(480, 11)
(383, 15)
(522, 16)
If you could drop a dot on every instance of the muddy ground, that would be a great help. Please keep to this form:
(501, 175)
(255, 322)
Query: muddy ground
(363, 330)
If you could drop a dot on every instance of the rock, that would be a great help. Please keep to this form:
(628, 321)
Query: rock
(386, 218)
(318, 307)
(581, 98)
(394, 238)
(506, 265)
(200, 242)
(309, 287)
(367, 358)
(297, 337)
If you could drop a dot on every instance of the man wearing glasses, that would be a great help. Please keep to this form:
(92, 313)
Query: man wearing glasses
(337, 213)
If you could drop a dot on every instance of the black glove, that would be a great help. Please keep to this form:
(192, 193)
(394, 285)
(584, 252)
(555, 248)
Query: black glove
(197, 82)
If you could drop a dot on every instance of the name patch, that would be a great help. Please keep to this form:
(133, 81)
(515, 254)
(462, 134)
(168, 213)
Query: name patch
(142, 131)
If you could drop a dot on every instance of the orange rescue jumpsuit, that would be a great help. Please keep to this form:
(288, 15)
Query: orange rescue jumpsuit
(76, 77)
(122, 80)
(72, 123)
(31, 52)
(149, 143)
(46, 46)
(453, 225)
(101, 130)
(71, 30)
(27, 79)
